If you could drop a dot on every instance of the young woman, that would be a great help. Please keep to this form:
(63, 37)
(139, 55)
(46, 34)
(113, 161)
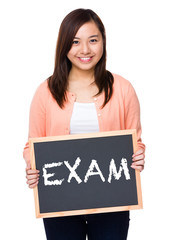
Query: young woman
(81, 97)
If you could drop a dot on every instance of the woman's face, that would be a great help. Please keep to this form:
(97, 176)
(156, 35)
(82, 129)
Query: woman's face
(87, 47)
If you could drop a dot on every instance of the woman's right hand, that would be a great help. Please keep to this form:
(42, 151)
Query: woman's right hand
(32, 176)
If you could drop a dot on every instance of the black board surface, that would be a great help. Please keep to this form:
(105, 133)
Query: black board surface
(96, 182)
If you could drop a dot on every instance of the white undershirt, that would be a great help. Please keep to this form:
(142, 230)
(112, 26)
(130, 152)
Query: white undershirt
(84, 118)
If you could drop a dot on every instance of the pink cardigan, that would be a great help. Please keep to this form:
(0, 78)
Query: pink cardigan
(48, 119)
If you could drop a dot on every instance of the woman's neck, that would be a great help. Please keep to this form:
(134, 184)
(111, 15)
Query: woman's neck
(81, 77)
(83, 85)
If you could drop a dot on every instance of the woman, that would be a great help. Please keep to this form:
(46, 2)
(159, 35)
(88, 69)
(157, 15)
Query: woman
(82, 96)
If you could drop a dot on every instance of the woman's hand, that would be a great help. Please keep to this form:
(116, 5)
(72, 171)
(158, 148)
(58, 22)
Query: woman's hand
(32, 176)
(138, 160)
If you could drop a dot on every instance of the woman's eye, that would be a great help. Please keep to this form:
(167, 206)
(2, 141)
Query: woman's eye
(93, 40)
(75, 42)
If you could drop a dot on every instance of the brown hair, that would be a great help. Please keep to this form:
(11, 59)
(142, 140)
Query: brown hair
(57, 83)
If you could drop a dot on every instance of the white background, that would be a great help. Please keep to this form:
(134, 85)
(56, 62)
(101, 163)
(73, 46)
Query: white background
(138, 47)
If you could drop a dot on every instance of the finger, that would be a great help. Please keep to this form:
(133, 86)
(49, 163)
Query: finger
(33, 185)
(139, 168)
(29, 165)
(31, 171)
(140, 151)
(32, 176)
(139, 163)
(33, 181)
(138, 157)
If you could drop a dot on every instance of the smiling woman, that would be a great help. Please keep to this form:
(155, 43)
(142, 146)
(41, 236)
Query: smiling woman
(81, 46)
(87, 48)
(82, 96)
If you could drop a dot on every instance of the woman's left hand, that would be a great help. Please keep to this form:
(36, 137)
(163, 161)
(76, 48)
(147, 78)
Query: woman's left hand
(138, 160)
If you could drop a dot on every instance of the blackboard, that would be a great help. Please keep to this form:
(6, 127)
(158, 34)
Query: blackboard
(85, 174)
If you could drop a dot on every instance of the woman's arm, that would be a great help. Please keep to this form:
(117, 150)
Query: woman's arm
(37, 128)
(132, 121)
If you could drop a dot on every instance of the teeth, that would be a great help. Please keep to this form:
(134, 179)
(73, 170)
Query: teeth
(85, 58)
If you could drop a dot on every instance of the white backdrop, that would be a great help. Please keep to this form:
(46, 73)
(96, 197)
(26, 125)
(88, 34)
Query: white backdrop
(138, 47)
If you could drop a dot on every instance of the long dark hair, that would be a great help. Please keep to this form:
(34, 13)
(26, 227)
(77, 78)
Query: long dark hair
(57, 83)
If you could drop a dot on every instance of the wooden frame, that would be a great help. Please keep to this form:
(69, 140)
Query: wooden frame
(86, 211)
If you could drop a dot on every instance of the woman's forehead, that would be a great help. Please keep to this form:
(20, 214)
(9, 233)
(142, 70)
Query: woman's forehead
(88, 30)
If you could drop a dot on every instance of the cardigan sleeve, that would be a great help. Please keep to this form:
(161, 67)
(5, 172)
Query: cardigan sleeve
(37, 118)
(132, 113)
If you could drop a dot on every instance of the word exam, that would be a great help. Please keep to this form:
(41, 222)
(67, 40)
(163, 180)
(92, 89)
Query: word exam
(93, 169)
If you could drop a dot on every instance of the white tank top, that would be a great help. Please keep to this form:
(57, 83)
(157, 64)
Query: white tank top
(84, 118)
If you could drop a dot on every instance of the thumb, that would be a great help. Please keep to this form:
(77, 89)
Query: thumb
(28, 166)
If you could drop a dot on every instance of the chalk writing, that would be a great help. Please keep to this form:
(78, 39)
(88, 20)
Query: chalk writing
(113, 173)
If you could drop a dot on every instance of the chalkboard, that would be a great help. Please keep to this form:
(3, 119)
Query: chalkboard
(85, 174)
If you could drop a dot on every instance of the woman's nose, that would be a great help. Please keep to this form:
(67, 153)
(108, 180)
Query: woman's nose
(85, 49)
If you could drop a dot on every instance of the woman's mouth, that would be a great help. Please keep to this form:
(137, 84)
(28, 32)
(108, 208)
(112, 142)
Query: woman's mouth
(85, 59)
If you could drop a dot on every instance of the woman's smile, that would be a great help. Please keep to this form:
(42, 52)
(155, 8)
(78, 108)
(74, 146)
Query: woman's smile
(85, 59)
